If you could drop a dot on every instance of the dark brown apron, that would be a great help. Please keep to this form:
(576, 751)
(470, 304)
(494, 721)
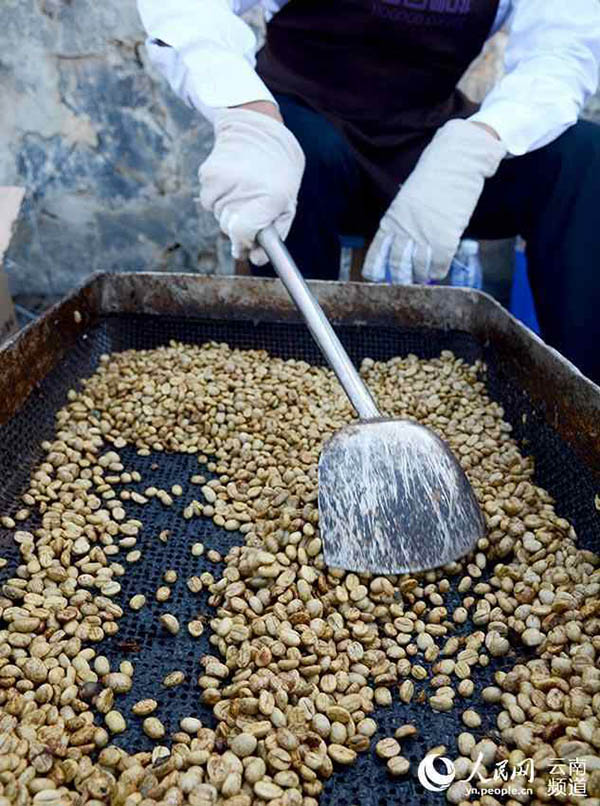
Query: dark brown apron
(383, 71)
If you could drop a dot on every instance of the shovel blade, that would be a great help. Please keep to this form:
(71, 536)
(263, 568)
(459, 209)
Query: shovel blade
(393, 499)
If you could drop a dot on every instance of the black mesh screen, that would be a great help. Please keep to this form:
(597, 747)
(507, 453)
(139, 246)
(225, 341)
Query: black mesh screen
(142, 640)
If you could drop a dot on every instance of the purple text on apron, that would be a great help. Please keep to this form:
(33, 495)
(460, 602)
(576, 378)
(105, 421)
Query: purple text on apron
(443, 6)
(437, 13)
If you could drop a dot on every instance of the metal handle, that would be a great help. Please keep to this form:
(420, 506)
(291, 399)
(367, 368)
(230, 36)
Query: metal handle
(319, 326)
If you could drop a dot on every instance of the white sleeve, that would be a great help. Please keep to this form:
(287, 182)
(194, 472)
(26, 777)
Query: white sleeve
(552, 63)
(210, 59)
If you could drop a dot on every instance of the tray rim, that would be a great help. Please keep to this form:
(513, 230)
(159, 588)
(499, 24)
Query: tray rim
(570, 401)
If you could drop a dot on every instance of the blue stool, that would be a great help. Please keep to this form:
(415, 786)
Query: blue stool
(522, 304)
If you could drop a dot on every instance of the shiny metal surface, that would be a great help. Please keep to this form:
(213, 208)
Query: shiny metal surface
(393, 499)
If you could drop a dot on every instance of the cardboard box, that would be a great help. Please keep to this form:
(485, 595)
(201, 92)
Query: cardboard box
(10, 204)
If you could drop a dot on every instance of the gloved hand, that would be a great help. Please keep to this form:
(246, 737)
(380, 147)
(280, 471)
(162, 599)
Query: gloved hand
(419, 234)
(251, 178)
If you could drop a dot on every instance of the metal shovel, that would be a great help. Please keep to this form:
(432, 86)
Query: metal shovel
(392, 497)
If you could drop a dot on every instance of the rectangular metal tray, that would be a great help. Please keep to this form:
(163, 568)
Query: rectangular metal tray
(554, 411)
(568, 401)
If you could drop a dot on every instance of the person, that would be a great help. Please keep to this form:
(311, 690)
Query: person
(349, 121)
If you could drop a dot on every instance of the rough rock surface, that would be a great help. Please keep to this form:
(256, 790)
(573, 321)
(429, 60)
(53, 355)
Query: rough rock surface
(107, 153)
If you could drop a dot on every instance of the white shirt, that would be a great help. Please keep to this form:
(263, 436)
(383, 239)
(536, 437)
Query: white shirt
(552, 61)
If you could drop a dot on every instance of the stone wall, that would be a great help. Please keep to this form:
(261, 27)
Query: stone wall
(107, 153)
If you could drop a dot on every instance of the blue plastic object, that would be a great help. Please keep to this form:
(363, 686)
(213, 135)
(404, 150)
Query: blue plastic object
(352, 241)
(521, 299)
(466, 270)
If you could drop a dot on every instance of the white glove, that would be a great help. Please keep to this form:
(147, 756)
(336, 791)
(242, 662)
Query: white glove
(419, 234)
(251, 178)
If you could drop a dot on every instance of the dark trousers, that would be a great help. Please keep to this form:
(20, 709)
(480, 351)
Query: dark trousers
(551, 197)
